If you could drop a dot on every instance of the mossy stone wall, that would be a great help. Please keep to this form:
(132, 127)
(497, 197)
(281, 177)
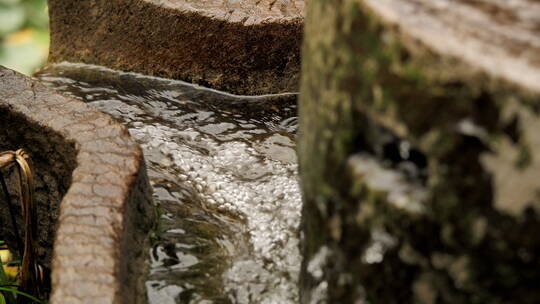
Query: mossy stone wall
(420, 172)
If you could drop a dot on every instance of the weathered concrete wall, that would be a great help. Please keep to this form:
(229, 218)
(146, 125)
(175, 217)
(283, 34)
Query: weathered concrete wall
(92, 192)
(419, 152)
(244, 47)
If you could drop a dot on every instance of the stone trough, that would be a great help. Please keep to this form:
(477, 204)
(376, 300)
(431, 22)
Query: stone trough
(92, 192)
(244, 47)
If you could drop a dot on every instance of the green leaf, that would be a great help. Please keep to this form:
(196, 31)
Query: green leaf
(24, 294)
(9, 2)
(3, 276)
(11, 19)
(27, 53)
(36, 12)
(3, 281)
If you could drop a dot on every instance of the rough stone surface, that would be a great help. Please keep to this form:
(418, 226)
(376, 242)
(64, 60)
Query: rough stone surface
(224, 175)
(91, 186)
(245, 47)
(419, 152)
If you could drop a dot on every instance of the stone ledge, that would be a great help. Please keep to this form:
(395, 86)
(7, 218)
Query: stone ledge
(246, 47)
(497, 38)
(436, 96)
(105, 214)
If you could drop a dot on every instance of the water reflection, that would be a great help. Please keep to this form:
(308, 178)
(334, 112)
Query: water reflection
(224, 174)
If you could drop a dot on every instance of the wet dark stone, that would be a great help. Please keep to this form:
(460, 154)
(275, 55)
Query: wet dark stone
(245, 47)
(92, 192)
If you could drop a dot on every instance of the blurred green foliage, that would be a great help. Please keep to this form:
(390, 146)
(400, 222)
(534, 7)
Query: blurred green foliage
(24, 34)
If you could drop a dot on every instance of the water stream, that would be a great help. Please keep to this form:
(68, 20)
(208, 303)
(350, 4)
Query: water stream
(224, 174)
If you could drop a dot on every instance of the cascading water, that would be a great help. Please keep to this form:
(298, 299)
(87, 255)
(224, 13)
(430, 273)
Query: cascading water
(224, 173)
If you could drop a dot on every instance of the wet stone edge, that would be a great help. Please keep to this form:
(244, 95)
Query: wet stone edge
(140, 36)
(105, 216)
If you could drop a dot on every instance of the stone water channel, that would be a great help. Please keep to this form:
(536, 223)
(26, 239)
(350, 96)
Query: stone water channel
(224, 173)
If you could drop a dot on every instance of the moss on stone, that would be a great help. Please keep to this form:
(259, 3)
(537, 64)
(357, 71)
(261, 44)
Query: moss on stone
(363, 79)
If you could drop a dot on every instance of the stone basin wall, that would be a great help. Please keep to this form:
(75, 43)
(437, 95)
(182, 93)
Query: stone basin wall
(93, 195)
(245, 47)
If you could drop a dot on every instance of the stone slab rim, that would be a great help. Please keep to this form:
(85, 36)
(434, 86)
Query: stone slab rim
(106, 213)
(496, 37)
(223, 48)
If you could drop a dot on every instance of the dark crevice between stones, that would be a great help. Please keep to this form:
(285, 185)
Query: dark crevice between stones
(390, 150)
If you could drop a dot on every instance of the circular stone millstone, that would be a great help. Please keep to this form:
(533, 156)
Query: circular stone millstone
(91, 185)
(245, 47)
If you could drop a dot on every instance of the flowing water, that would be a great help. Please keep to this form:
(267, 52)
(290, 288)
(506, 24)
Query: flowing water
(224, 174)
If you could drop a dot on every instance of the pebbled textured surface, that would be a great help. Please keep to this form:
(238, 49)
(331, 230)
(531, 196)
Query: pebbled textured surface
(244, 47)
(105, 215)
(246, 12)
(223, 170)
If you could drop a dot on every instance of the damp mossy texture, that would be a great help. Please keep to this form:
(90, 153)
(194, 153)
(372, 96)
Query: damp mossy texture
(420, 169)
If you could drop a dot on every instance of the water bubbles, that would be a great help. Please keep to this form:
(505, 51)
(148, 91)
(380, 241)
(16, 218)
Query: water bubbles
(234, 177)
